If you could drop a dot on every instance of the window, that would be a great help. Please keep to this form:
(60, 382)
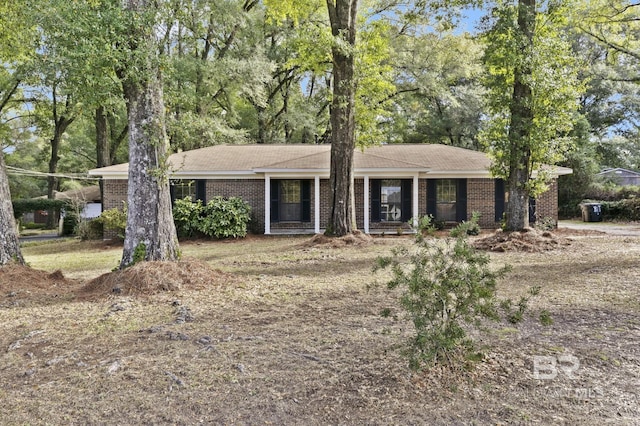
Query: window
(183, 189)
(192, 189)
(290, 200)
(391, 200)
(446, 199)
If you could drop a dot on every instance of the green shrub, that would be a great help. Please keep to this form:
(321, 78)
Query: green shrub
(225, 218)
(69, 223)
(445, 284)
(186, 215)
(115, 220)
(470, 227)
(220, 217)
(546, 224)
(90, 230)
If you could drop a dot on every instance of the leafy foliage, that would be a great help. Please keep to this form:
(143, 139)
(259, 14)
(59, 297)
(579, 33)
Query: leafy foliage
(225, 218)
(555, 91)
(186, 215)
(220, 217)
(114, 220)
(470, 227)
(445, 284)
(22, 206)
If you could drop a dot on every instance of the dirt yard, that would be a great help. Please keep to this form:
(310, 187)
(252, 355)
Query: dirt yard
(281, 331)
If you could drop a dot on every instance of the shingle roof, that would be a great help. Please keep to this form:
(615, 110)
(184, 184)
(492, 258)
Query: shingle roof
(430, 158)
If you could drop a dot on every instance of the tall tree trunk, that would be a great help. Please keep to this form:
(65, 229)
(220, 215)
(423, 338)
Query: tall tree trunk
(342, 15)
(103, 153)
(521, 110)
(9, 243)
(103, 156)
(150, 232)
(60, 126)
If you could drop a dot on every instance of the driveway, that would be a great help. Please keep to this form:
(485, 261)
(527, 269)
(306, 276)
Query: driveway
(613, 228)
(39, 237)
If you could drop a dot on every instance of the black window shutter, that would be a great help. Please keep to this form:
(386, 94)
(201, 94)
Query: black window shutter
(499, 200)
(201, 190)
(275, 196)
(532, 210)
(432, 197)
(407, 195)
(306, 200)
(375, 200)
(172, 192)
(461, 200)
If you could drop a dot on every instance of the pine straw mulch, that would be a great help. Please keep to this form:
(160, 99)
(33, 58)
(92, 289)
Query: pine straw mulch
(20, 284)
(149, 278)
(355, 239)
(529, 240)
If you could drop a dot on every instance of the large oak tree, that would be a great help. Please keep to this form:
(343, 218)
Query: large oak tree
(150, 232)
(533, 99)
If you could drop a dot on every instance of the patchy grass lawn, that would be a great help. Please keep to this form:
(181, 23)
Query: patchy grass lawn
(290, 334)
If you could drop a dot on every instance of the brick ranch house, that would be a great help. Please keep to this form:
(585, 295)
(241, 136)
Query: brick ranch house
(287, 186)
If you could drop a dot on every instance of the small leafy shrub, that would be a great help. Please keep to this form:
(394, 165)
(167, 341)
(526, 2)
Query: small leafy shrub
(546, 224)
(70, 223)
(446, 283)
(470, 227)
(186, 215)
(225, 218)
(90, 230)
(114, 220)
(424, 225)
(139, 253)
(220, 217)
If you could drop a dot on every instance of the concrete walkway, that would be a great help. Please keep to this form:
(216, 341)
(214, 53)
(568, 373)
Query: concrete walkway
(612, 228)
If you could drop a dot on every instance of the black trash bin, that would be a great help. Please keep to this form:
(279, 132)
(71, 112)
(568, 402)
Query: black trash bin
(591, 212)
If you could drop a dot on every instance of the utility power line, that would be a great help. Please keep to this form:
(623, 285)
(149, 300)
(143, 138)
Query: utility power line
(16, 171)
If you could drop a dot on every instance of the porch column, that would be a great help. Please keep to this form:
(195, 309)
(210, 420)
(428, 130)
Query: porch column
(316, 208)
(366, 204)
(267, 204)
(416, 204)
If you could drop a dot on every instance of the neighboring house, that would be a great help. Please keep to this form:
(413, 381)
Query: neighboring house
(619, 176)
(287, 186)
(88, 197)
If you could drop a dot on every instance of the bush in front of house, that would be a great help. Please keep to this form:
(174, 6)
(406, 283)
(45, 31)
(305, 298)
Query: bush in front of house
(114, 220)
(220, 217)
(92, 229)
(186, 216)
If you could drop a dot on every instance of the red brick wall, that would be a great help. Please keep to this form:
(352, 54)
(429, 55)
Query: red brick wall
(480, 198)
(115, 194)
(547, 203)
(481, 195)
(250, 190)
